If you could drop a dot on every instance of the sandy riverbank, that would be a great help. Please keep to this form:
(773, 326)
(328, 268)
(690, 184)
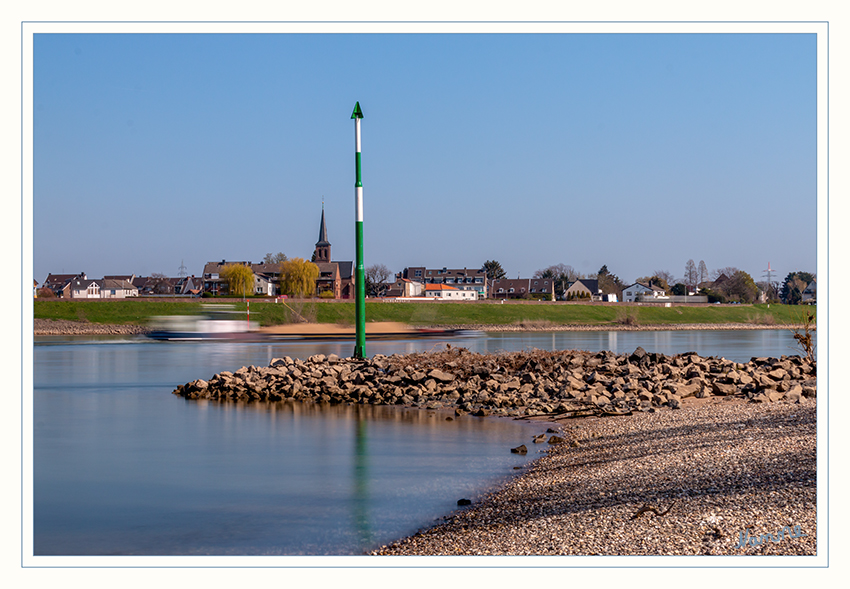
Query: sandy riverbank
(545, 326)
(64, 327)
(725, 470)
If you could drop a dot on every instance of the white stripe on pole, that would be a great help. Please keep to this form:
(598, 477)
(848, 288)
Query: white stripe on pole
(358, 207)
(357, 135)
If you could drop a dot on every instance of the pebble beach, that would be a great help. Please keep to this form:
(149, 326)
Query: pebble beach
(710, 478)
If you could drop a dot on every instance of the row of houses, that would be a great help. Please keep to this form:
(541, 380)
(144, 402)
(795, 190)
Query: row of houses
(80, 286)
(583, 288)
(336, 280)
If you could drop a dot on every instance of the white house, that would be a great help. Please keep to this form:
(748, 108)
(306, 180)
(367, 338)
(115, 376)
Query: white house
(82, 288)
(410, 288)
(810, 294)
(449, 293)
(639, 289)
(263, 285)
(116, 289)
(463, 279)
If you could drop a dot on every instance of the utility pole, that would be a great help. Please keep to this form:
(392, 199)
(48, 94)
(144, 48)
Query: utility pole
(359, 272)
(769, 283)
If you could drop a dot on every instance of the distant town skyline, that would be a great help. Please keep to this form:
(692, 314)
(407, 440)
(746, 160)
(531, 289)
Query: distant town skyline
(638, 152)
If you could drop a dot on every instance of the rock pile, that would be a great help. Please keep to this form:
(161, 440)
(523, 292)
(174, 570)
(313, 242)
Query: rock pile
(65, 327)
(525, 383)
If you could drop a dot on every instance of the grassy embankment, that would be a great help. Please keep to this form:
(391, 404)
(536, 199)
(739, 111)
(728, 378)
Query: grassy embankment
(139, 311)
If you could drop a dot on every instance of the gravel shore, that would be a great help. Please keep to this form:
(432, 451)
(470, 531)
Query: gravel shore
(700, 480)
(64, 327)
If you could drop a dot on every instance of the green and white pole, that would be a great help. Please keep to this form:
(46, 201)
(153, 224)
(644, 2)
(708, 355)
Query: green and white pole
(360, 272)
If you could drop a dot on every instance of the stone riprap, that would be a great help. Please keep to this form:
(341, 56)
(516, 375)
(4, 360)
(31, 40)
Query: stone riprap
(65, 327)
(528, 383)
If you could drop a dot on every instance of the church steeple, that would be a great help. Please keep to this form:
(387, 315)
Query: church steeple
(323, 246)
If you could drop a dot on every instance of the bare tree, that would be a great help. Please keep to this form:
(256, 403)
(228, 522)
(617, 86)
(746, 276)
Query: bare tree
(691, 274)
(275, 258)
(160, 284)
(665, 276)
(702, 272)
(729, 271)
(376, 280)
(562, 275)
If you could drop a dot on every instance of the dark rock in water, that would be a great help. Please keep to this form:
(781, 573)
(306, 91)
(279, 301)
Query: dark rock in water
(464, 502)
(519, 450)
(450, 418)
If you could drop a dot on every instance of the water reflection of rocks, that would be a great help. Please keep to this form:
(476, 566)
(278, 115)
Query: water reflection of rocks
(290, 408)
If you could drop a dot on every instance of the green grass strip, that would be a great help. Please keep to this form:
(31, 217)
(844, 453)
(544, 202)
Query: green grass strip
(140, 311)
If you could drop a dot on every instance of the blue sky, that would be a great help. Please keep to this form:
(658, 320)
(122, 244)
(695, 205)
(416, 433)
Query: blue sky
(638, 151)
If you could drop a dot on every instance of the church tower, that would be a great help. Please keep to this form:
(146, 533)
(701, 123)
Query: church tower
(323, 246)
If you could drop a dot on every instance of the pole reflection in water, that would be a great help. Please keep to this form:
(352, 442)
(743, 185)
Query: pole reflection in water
(361, 486)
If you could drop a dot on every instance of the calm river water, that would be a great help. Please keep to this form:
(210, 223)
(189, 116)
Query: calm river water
(122, 466)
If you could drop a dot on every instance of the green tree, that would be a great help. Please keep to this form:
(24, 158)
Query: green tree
(794, 285)
(239, 278)
(494, 270)
(741, 287)
(610, 283)
(298, 277)
(679, 289)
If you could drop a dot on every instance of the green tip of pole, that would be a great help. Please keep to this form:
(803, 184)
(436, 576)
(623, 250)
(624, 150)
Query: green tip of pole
(357, 114)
